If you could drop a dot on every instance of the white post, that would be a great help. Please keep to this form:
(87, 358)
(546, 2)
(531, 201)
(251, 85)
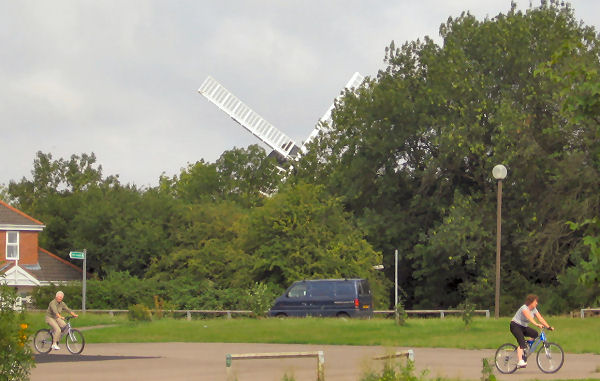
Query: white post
(84, 279)
(16, 267)
(396, 280)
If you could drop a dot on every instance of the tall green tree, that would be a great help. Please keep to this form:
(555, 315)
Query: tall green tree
(302, 232)
(412, 150)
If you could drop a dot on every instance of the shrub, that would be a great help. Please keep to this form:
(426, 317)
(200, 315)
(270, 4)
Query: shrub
(16, 359)
(139, 312)
(487, 370)
(396, 371)
(400, 314)
(468, 309)
(260, 298)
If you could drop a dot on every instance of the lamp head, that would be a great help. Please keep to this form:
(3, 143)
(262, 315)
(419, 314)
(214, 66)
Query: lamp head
(499, 172)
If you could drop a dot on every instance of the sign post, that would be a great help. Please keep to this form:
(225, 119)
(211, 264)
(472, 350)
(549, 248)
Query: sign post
(81, 255)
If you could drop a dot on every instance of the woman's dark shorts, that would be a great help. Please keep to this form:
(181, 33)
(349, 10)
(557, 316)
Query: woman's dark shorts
(519, 332)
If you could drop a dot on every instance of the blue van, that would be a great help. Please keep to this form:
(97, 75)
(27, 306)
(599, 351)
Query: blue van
(325, 297)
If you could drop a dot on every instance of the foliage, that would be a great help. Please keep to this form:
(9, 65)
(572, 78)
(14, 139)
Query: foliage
(589, 272)
(468, 310)
(260, 298)
(404, 165)
(303, 233)
(487, 369)
(16, 359)
(396, 371)
(411, 152)
(139, 312)
(400, 314)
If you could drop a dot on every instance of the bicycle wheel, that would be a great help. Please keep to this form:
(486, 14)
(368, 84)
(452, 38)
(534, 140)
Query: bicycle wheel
(550, 358)
(506, 358)
(75, 341)
(42, 341)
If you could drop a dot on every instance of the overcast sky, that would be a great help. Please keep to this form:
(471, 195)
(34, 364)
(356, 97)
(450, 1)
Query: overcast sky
(120, 78)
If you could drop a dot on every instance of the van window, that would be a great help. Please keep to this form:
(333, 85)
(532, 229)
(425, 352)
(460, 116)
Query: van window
(297, 291)
(363, 288)
(320, 289)
(344, 289)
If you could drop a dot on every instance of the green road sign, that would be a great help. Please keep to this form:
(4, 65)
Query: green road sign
(76, 255)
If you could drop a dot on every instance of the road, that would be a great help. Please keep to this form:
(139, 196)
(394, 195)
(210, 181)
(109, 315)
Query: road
(206, 361)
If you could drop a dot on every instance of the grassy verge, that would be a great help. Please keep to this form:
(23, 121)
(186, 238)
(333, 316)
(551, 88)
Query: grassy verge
(574, 335)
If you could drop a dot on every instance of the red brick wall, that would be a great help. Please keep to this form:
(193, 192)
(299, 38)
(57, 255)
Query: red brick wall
(2, 245)
(28, 247)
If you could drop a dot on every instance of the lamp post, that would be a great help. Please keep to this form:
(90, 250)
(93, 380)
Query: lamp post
(499, 173)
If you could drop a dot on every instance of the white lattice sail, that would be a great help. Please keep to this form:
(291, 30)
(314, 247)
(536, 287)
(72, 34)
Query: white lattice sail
(354, 82)
(248, 118)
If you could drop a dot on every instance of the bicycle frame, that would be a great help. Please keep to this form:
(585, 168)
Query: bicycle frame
(533, 344)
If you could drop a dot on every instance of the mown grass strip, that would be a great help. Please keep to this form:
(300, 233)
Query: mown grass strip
(574, 335)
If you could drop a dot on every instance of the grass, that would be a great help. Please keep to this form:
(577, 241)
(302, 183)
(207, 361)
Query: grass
(574, 335)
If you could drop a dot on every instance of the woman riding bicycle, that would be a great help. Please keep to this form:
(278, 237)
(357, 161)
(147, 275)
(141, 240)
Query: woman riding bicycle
(519, 325)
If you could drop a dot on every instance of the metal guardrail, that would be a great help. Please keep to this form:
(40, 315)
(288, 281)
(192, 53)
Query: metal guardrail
(584, 310)
(279, 355)
(188, 313)
(442, 313)
(229, 313)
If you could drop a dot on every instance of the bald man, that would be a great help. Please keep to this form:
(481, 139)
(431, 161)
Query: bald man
(55, 319)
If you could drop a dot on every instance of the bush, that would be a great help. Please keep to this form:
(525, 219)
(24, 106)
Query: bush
(468, 309)
(400, 314)
(260, 298)
(43, 295)
(396, 371)
(139, 312)
(16, 359)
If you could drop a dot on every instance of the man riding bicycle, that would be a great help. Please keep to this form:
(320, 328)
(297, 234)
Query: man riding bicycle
(55, 319)
(519, 325)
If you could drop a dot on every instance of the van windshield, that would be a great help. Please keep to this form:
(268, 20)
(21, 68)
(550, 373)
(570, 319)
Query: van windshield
(297, 291)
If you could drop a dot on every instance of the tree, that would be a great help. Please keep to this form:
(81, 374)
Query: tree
(247, 175)
(414, 146)
(301, 233)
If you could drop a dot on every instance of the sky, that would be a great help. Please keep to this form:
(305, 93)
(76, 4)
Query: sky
(120, 78)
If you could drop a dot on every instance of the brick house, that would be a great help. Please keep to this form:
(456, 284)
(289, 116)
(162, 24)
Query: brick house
(23, 263)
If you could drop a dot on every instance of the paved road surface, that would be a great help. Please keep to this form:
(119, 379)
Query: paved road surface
(206, 361)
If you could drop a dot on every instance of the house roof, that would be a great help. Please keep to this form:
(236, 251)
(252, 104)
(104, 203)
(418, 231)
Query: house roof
(10, 216)
(54, 268)
(50, 268)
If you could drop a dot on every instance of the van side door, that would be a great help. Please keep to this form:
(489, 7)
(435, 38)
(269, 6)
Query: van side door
(322, 295)
(296, 301)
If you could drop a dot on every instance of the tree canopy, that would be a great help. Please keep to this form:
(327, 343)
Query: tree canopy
(406, 164)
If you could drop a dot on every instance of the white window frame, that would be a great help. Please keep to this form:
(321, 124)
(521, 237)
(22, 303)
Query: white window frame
(12, 245)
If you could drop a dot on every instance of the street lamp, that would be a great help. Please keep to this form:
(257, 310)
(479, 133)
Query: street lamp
(499, 173)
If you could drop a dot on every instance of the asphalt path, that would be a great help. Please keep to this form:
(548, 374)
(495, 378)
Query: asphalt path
(206, 361)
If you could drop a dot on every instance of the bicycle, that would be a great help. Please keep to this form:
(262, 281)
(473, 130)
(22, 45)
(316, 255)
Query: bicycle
(550, 356)
(42, 341)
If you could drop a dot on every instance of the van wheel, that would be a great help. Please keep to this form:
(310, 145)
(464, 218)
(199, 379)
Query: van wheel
(281, 315)
(342, 315)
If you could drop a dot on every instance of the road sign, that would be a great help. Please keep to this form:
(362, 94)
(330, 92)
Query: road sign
(77, 255)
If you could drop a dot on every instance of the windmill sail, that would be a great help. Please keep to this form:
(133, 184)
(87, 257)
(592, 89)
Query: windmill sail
(247, 118)
(326, 120)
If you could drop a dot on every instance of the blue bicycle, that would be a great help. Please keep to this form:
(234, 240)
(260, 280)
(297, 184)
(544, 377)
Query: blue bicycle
(550, 356)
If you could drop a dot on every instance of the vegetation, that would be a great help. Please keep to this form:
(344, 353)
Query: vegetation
(15, 356)
(395, 371)
(406, 164)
